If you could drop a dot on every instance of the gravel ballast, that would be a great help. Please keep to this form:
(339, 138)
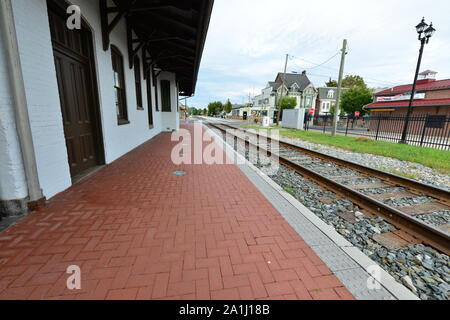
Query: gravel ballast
(422, 269)
(413, 171)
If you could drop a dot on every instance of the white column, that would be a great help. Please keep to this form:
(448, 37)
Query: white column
(18, 171)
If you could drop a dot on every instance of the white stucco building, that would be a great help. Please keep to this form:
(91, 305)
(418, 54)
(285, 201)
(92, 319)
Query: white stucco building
(74, 100)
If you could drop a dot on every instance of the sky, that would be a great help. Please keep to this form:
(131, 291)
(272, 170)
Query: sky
(248, 41)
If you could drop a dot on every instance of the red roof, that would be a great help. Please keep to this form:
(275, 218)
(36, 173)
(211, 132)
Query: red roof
(405, 103)
(432, 85)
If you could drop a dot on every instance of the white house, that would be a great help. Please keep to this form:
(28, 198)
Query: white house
(326, 100)
(295, 85)
(72, 100)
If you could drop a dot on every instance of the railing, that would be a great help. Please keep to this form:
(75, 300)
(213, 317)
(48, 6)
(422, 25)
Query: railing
(432, 131)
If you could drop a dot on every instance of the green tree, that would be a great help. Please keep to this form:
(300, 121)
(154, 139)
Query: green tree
(355, 99)
(351, 81)
(215, 108)
(288, 103)
(331, 83)
(228, 106)
(211, 109)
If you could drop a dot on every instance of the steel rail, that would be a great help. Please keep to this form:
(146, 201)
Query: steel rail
(420, 230)
(441, 194)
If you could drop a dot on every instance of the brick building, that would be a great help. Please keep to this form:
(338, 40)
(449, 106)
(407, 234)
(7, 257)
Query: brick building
(432, 97)
(431, 107)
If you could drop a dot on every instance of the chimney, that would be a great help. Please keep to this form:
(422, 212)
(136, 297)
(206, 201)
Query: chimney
(304, 72)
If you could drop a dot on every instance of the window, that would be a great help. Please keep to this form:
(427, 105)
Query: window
(137, 80)
(119, 86)
(165, 96)
(331, 94)
(149, 99)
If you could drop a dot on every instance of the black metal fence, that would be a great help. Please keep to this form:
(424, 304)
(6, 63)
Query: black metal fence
(426, 130)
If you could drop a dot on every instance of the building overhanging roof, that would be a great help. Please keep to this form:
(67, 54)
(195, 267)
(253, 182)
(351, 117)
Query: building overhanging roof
(171, 34)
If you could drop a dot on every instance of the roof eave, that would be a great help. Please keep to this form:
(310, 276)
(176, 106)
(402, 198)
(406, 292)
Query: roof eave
(384, 93)
(203, 30)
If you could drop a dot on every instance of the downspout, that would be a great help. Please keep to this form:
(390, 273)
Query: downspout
(20, 103)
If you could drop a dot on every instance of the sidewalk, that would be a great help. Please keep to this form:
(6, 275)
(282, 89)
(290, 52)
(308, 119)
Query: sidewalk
(139, 232)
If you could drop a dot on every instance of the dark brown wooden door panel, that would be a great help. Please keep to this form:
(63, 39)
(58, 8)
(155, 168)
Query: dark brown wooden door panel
(73, 71)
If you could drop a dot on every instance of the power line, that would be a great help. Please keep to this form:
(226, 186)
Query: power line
(352, 73)
(335, 69)
(317, 64)
(365, 78)
(329, 76)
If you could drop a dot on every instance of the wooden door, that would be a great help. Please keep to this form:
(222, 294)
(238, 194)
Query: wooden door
(71, 50)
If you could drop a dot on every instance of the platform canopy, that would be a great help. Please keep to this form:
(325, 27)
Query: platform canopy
(170, 33)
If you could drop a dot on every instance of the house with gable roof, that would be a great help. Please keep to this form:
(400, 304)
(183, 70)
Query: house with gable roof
(326, 100)
(296, 85)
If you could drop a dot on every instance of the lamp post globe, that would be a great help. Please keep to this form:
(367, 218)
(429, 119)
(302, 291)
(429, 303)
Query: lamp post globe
(421, 26)
(429, 32)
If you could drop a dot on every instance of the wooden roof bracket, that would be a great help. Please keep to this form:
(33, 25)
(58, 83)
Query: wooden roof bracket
(147, 61)
(108, 27)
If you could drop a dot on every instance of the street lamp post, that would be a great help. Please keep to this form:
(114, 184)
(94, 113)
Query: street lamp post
(425, 32)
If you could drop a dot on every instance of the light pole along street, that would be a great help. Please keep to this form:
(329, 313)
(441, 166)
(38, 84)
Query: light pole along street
(425, 32)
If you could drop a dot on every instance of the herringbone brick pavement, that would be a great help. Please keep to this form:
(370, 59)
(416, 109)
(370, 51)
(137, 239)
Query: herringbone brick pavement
(139, 232)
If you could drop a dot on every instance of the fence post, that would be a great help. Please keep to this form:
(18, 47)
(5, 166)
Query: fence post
(346, 129)
(424, 130)
(325, 123)
(378, 128)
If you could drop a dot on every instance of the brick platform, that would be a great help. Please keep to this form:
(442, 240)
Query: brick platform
(139, 232)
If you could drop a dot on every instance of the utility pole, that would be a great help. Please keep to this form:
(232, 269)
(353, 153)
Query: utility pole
(282, 90)
(339, 89)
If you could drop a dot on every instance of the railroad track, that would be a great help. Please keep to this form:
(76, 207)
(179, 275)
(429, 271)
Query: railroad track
(359, 184)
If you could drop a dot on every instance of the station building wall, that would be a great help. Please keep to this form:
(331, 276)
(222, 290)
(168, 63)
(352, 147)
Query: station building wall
(38, 68)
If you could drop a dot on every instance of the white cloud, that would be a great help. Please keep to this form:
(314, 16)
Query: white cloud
(248, 40)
